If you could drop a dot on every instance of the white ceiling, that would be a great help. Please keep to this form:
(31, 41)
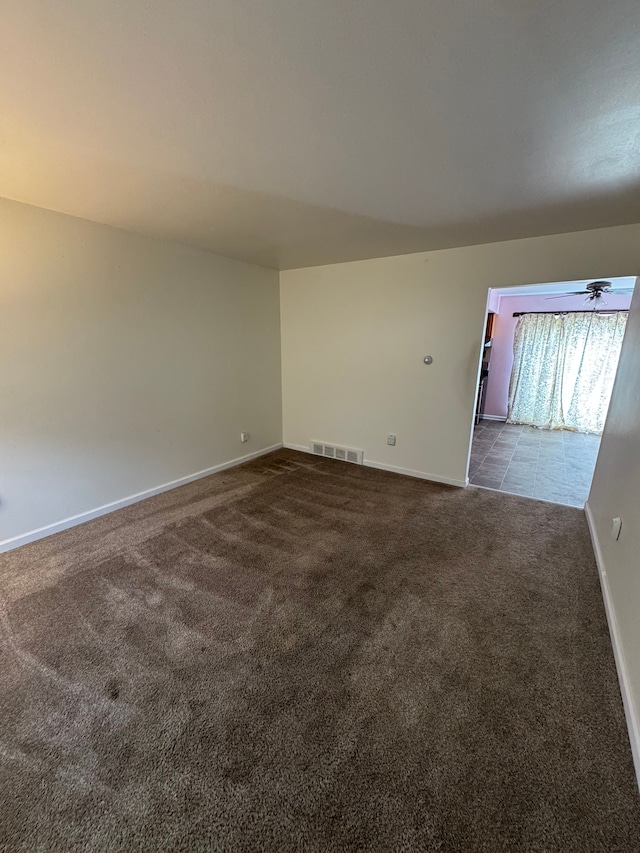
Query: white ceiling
(297, 132)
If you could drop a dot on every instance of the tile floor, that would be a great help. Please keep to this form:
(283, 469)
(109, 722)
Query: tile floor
(551, 465)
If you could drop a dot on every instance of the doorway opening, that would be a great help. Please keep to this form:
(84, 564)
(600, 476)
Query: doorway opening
(549, 358)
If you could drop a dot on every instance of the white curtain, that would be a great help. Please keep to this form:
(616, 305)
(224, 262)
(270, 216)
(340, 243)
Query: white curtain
(563, 369)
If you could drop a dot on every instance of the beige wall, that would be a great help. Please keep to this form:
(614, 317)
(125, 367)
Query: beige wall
(354, 336)
(615, 492)
(125, 363)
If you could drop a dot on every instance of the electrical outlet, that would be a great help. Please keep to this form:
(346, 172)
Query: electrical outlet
(391, 439)
(244, 436)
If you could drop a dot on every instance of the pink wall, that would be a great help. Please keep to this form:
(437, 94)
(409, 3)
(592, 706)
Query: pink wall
(503, 331)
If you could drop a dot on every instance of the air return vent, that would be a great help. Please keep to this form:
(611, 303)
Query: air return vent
(331, 451)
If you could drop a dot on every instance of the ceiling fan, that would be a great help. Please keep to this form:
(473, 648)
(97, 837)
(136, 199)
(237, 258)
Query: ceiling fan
(594, 293)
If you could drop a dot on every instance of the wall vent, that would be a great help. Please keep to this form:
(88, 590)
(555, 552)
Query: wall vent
(331, 451)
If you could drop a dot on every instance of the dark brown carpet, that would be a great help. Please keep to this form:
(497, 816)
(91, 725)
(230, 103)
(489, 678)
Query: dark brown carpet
(303, 655)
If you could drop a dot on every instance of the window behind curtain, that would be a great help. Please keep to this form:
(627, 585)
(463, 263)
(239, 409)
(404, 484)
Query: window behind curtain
(563, 369)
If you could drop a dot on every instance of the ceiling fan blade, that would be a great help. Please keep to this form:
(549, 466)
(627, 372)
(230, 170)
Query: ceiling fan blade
(562, 296)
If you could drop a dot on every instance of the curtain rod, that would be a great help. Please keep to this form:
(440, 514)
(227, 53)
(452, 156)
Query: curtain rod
(597, 311)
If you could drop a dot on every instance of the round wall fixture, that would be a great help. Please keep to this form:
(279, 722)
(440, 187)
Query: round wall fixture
(428, 359)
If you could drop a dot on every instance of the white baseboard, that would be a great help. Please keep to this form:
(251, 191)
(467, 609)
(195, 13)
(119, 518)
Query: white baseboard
(434, 478)
(66, 523)
(493, 418)
(630, 711)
